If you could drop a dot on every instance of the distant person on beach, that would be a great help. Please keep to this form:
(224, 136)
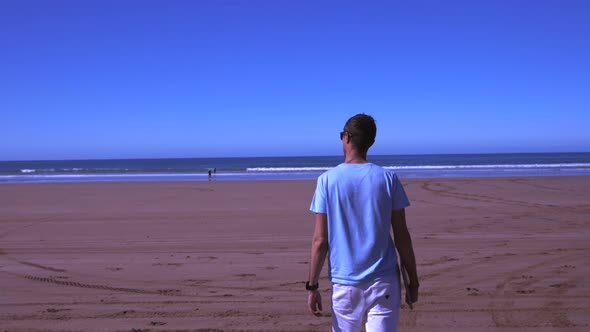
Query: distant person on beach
(209, 172)
(357, 204)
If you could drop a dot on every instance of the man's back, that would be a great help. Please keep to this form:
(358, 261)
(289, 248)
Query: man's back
(358, 200)
(356, 206)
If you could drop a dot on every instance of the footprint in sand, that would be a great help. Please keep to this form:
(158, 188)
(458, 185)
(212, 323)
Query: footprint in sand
(169, 291)
(167, 264)
(197, 282)
(54, 310)
(114, 269)
(561, 286)
(246, 275)
(211, 258)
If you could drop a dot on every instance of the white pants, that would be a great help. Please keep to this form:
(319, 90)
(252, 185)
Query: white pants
(377, 302)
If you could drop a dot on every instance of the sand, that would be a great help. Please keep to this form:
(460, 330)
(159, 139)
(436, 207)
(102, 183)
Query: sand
(494, 254)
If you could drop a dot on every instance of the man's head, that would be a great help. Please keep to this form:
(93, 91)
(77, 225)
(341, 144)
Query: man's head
(361, 130)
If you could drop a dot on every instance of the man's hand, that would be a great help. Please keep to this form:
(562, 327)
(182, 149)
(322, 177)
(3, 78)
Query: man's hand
(412, 297)
(314, 300)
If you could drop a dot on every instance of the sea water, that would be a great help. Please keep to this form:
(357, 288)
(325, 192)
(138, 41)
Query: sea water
(291, 168)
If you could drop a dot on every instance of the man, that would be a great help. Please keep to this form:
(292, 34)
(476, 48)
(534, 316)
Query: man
(357, 204)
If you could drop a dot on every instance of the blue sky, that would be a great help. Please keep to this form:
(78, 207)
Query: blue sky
(136, 79)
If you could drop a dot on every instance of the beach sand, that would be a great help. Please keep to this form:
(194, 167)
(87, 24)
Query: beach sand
(494, 254)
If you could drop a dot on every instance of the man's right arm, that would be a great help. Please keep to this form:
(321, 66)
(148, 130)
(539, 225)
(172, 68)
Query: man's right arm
(403, 243)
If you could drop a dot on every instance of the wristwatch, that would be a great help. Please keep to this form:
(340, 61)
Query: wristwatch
(311, 287)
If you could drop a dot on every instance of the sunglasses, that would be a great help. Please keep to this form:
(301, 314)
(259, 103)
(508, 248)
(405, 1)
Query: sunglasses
(344, 132)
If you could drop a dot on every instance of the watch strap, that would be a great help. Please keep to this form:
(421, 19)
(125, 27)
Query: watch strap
(311, 287)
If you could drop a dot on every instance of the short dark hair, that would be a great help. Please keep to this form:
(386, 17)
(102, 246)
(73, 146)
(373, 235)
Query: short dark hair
(362, 130)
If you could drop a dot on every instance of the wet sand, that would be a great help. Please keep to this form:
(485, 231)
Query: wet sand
(494, 254)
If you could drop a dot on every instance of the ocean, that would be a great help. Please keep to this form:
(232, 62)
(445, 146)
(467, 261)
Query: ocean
(291, 168)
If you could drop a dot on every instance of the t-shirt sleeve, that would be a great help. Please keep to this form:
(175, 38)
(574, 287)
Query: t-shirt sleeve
(318, 203)
(400, 199)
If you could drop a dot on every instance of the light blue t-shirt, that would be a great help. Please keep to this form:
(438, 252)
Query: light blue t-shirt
(358, 200)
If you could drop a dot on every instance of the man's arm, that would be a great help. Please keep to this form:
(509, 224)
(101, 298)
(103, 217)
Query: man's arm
(319, 251)
(403, 243)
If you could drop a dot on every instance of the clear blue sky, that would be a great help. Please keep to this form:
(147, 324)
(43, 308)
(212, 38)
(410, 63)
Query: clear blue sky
(132, 79)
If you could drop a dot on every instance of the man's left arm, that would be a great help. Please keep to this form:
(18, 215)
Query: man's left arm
(319, 251)
(403, 243)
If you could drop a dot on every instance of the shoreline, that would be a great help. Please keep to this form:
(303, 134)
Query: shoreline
(214, 179)
(220, 177)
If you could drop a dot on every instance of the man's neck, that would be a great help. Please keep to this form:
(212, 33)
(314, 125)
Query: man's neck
(354, 157)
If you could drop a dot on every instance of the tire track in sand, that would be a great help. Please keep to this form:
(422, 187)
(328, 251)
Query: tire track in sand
(448, 191)
(67, 283)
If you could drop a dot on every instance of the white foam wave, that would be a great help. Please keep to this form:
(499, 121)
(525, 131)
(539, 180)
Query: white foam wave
(28, 171)
(492, 166)
(114, 175)
(287, 169)
(426, 167)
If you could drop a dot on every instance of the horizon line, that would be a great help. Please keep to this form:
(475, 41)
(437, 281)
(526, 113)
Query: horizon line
(298, 156)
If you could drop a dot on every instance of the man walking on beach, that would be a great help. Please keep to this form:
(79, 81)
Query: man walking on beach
(357, 204)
